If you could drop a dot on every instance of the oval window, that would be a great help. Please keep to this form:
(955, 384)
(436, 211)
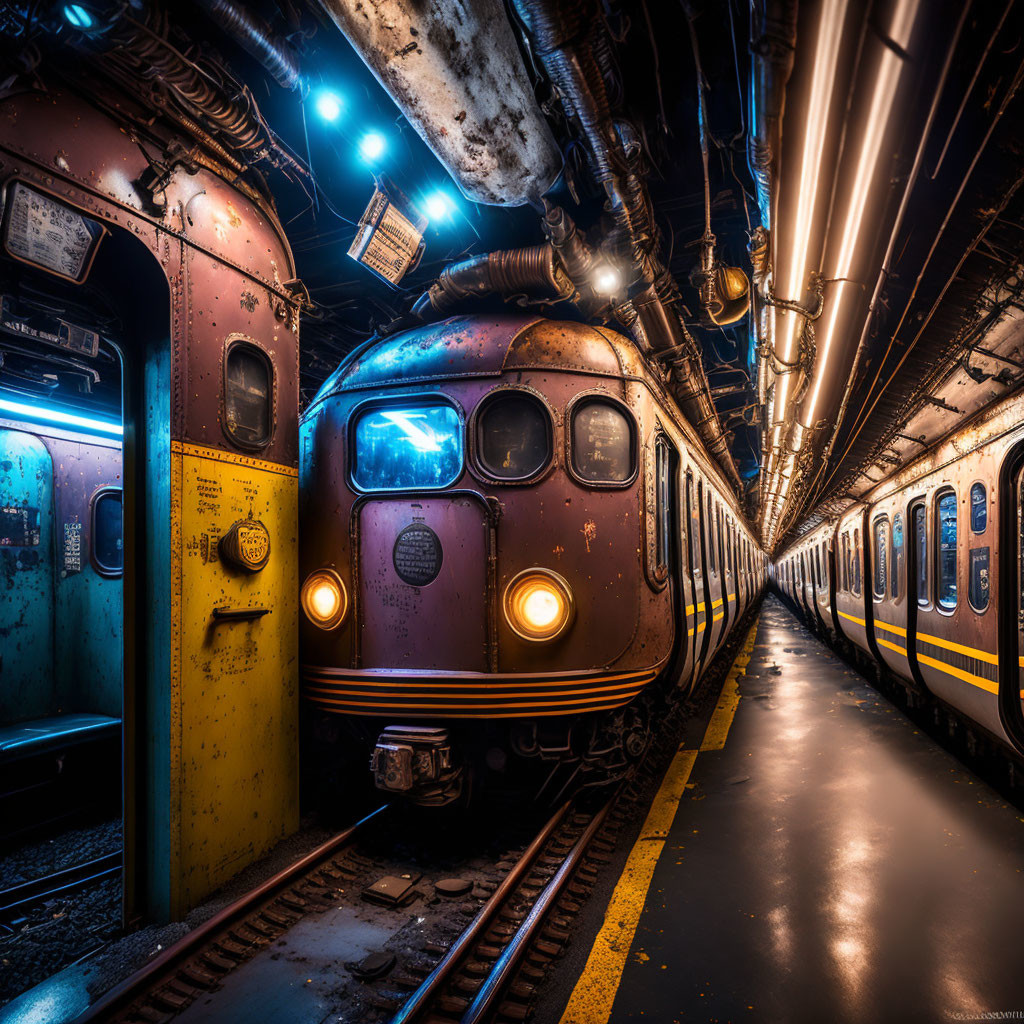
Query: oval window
(979, 509)
(946, 572)
(107, 533)
(248, 395)
(602, 443)
(513, 436)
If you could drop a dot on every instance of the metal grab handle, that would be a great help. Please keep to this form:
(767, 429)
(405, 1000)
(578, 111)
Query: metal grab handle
(238, 614)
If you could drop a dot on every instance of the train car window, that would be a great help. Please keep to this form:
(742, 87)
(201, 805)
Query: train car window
(107, 532)
(513, 436)
(248, 395)
(920, 524)
(855, 564)
(945, 576)
(979, 509)
(844, 575)
(407, 447)
(977, 584)
(896, 570)
(711, 538)
(663, 495)
(881, 557)
(602, 443)
(817, 567)
(694, 518)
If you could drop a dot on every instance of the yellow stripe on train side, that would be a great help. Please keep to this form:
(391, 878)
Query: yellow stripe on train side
(971, 652)
(891, 646)
(690, 608)
(898, 630)
(700, 629)
(985, 684)
(853, 618)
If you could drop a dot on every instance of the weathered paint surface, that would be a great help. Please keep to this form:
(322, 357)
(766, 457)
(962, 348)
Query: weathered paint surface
(234, 711)
(26, 580)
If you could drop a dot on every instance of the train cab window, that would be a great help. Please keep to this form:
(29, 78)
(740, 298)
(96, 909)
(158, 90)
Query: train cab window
(602, 443)
(248, 395)
(407, 447)
(855, 564)
(979, 509)
(107, 532)
(920, 523)
(896, 569)
(513, 436)
(881, 558)
(945, 576)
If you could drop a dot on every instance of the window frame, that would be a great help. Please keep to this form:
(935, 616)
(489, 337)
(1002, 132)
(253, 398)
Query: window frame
(970, 508)
(897, 557)
(884, 549)
(357, 412)
(231, 343)
(945, 492)
(474, 447)
(100, 569)
(585, 398)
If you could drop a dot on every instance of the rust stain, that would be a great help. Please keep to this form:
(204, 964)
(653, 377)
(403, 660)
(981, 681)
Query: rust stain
(589, 532)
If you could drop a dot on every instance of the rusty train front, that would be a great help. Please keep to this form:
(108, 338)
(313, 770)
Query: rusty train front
(513, 553)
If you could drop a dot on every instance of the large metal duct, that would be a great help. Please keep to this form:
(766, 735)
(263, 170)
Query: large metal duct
(455, 71)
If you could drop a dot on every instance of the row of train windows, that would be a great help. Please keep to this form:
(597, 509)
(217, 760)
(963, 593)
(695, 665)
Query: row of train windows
(417, 447)
(724, 543)
(889, 552)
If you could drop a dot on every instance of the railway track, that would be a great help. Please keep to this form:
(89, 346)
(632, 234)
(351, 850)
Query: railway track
(17, 898)
(521, 907)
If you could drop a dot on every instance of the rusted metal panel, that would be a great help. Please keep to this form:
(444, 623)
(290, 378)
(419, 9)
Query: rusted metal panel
(455, 71)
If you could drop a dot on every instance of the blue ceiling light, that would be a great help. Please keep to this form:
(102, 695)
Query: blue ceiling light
(46, 414)
(438, 206)
(78, 17)
(372, 146)
(328, 105)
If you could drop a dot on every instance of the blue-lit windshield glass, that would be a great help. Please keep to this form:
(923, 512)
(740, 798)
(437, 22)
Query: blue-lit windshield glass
(407, 447)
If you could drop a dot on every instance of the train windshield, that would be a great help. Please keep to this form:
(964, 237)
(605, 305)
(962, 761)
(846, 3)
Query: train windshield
(407, 447)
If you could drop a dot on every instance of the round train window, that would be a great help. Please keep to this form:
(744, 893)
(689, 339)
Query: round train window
(602, 442)
(248, 395)
(514, 436)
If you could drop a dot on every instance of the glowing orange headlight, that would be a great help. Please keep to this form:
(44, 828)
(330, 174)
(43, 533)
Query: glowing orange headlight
(324, 599)
(538, 604)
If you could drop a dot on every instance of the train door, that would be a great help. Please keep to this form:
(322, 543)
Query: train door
(728, 576)
(703, 594)
(1011, 612)
(686, 614)
(26, 577)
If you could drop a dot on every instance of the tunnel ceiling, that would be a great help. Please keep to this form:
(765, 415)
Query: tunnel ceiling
(941, 337)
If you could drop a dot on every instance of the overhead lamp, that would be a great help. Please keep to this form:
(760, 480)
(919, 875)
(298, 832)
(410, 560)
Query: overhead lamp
(606, 279)
(78, 16)
(328, 105)
(438, 206)
(372, 146)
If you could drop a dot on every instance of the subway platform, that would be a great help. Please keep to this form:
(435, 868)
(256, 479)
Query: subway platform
(812, 856)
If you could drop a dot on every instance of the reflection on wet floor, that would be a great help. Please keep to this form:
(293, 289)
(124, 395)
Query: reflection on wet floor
(831, 863)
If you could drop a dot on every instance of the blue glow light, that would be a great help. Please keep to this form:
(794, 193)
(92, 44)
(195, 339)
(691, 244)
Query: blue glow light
(407, 448)
(66, 419)
(77, 16)
(372, 146)
(328, 105)
(438, 206)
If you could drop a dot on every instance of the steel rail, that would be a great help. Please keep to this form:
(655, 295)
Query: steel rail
(78, 876)
(442, 972)
(161, 968)
(511, 955)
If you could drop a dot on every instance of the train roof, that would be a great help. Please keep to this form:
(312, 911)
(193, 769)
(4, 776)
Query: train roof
(484, 346)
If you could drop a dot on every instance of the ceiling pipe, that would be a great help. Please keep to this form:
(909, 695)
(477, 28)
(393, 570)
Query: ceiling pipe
(460, 82)
(566, 42)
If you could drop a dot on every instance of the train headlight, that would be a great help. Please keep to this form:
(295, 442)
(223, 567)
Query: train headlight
(324, 599)
(538, 604)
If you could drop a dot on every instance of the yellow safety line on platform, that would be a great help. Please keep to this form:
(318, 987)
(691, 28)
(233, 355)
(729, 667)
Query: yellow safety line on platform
(592, 998)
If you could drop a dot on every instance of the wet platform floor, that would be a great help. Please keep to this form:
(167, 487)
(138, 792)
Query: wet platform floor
(830, 863)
